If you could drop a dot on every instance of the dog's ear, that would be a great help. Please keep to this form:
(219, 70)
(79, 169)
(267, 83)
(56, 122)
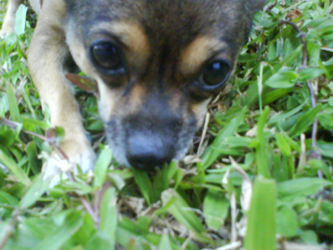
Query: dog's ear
(255, 5)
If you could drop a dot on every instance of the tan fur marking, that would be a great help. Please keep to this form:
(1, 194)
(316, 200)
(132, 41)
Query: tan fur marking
(111, 101)
(130, 33)
(200, 111)
(107, 100)
(136, 98)
(79, 54)
(198, 52)
(175, 100)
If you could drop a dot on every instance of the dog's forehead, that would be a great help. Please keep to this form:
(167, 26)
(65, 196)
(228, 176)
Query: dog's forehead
(185, 30)
(183, 20)
(164, 18)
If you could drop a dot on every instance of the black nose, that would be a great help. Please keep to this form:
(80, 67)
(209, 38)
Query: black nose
(145, 152)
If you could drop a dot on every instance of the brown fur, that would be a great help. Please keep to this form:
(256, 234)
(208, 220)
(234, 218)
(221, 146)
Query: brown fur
(193, 57)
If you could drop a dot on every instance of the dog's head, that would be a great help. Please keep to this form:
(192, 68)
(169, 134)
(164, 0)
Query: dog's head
(158, 63)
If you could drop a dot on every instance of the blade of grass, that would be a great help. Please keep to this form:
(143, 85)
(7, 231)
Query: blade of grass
(20, 19)
(211, 154)
(261, 154)
(102, 165)
(142, 180)
(14, 168)
(184, 214)
(305, 121)
(165, 243)
(215, 209)
(38, 188)
(56, 239)
(305, 186)
(105, 237)
(12, 102)
(261, 229)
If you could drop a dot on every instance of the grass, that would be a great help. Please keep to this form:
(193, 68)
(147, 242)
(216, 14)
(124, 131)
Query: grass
(260, 178)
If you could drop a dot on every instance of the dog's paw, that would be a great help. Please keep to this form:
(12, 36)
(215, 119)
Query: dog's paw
(56, 166)
(5, 32)
(7, 29)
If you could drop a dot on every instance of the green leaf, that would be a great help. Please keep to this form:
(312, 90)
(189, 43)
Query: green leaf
(33, 157)
(108, 213)
(287, 224)
(142, 180)
(6, 198)
(27, 122)
(60, 133)
(326, 120)
(184, 214)
(282, 80)
(261, 229)
(38, 188)
(105, 237)
(261, 149)
(310, 73)
(211, 154)
(273, 95)
(86, 231)
(14, 168)
(20, 19)
(12, 102)
(326, 148)
(7, 137)
(326, 210)
(283, 145)
(55, 239)
(309, 237)
(162, 180)
(164, 243)
(79, 186)
(215, 209)
(282, 116)
(101, 167)
(302, 186)
(30, 232)
(304, 121)
(4, 106)
(271, 54)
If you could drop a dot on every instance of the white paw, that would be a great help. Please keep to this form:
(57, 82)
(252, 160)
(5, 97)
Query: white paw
(7, 30)
(55, 167)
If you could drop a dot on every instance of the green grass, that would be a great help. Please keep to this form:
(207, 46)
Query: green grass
(259, 165)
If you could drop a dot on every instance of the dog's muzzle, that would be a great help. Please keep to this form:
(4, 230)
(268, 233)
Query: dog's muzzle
(146, 141)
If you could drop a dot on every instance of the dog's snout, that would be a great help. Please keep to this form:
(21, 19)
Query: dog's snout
(147, 151)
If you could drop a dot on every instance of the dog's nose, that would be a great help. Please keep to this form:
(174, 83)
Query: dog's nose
(145, 152)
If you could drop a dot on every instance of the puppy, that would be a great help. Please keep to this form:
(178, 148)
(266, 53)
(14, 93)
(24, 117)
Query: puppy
(157, 64)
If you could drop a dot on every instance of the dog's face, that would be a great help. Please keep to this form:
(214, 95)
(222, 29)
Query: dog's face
(158, 63)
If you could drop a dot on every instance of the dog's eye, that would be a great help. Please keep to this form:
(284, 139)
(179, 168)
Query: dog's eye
(106, 55)
(216, 73)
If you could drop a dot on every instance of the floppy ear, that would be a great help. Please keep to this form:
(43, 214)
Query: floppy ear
(255, 5)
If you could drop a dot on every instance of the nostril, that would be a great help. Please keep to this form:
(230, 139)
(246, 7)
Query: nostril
(148, 152)
(146, 161)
